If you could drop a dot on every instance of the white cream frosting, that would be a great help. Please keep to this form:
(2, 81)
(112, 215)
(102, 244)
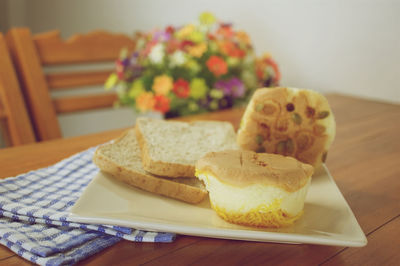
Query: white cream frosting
(244, 199)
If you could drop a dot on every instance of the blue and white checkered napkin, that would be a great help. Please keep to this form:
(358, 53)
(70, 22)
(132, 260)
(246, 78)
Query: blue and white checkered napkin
(34, 209)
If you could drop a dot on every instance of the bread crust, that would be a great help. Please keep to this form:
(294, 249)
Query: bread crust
(242, 168)
(147, 182)
(172, 168)
(161, 168)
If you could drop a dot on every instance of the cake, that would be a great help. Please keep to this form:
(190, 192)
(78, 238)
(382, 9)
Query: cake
(255, 189)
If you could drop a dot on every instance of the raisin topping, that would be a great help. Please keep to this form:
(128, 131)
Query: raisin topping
(323, 114)
(296, 118)
(259, 107)
(259, 139)
(285, 147)
(290, 107)
(310, 112)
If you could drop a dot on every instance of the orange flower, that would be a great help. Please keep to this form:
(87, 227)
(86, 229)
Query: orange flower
(263, 63)
(161, 104)
(217, 65)
(275, 67)
(145, 101)
(197, 50)
(231, 49)
(162, 84)
(243, 37)
(181, 88)
(226, 31)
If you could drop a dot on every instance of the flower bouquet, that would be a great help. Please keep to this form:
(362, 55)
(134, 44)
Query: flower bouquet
(191, 69)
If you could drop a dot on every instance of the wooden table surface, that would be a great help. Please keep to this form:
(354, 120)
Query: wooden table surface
(364, 161)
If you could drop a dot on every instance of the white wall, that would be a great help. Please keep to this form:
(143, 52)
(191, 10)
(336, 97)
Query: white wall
(345, 46)
(350, 47)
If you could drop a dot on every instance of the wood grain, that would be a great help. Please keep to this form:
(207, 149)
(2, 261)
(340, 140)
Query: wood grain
(32, 52)
(384, 245)
(15, 261)
(97, 46)
(33, 83)
(83, 103)
(363, 160)
(141, 252)
(5, 253)
(232, 115)
(62, 81)
(209, 251)
(3, 113)
(21, 159)
(17, 127)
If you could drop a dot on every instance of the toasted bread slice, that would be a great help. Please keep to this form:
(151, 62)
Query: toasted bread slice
(288, 121)
(171, 148)
(122, 160)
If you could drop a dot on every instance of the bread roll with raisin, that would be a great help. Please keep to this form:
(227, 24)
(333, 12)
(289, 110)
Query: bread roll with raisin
(288, 121)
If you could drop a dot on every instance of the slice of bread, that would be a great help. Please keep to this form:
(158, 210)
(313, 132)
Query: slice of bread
(171, 148)
(122, 160)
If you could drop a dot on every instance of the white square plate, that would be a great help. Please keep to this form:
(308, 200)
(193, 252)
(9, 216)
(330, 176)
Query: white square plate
(327, 218)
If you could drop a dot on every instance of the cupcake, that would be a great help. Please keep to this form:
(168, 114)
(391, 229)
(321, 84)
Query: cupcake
(255, 189)
(288, 121)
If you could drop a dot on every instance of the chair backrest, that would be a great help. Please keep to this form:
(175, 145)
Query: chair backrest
(32, 53)
(16, 126)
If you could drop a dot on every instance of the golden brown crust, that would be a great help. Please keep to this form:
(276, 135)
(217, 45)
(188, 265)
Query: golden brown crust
(147, 182)
(291, 122)
(243, 168)
(160, 168)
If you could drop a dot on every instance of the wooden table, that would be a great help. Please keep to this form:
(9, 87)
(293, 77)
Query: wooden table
(364, 160)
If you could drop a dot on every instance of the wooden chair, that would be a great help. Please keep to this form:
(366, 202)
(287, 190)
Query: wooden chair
(32, 53)
(16, 126)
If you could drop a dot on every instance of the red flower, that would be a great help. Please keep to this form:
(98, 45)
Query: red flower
(186, 43)
(226, 31)
(181, 88)
(120, 68)
(172, 46)
(148, 47)
(275, 67)
(217, 65)
(237, 53)
(161, 103)
(170, 29)
(231, 49)
(211, 36)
